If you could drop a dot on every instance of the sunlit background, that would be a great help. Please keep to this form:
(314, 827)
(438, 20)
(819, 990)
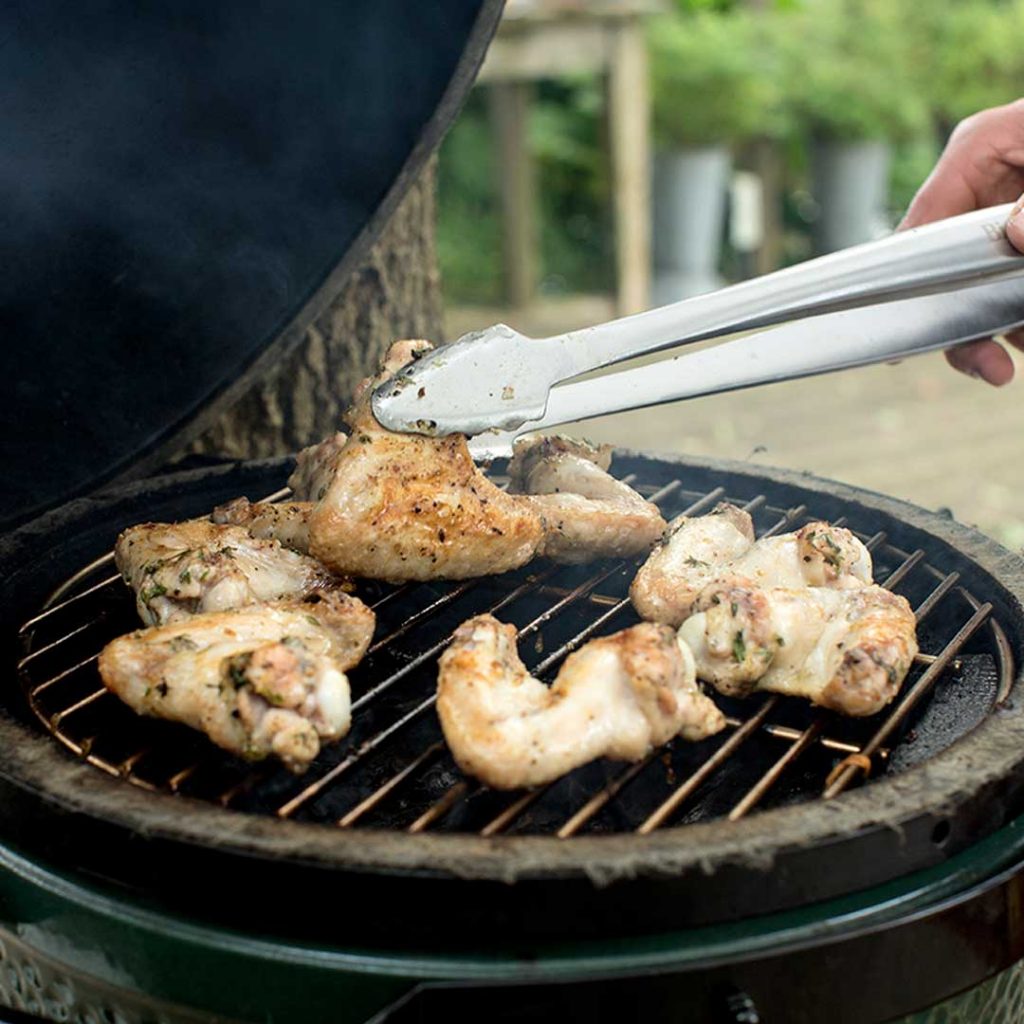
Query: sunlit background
(623, 153)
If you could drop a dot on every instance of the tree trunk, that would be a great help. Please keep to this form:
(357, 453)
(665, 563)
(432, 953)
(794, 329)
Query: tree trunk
(396, 294)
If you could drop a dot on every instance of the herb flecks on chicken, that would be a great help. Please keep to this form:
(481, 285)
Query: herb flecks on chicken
(261, 681)
(182, 569)
(619, 697)
(848, 650)
(721, 545)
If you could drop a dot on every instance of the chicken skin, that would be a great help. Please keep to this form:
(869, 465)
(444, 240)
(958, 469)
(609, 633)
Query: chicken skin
(848, 650)
(288, 521)
(182, 569)
(587, 513)
(284, 521)
(618, 697)
(315, 467)
(721, 545)
(399, 506)
(262, 681)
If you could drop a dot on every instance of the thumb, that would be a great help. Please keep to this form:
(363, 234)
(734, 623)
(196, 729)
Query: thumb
(1015, 225)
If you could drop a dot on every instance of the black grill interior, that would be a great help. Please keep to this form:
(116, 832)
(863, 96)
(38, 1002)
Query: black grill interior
(393, 770)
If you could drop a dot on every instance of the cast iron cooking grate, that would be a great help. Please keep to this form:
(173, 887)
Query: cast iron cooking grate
(393, 770)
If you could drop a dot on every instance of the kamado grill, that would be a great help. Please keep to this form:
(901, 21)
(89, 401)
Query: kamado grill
(797, 867)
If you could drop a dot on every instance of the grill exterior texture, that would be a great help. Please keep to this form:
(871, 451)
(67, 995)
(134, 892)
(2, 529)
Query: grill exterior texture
(620, 852)
(387, 816)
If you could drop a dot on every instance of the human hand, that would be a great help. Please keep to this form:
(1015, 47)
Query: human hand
(982, 165)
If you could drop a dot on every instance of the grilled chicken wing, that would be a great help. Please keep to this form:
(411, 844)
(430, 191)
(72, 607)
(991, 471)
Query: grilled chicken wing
(181, 569)
(618, 697)
(587, 513)
(848, 650)
(284, 521)
(407, 507)
(721, 545)
(260, 681)
(288, 521)
(315, 467)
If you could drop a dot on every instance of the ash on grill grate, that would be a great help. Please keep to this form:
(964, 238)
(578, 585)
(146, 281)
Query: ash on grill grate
(394, 772)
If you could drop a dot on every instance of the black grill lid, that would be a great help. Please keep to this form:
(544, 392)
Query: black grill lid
(177, 183)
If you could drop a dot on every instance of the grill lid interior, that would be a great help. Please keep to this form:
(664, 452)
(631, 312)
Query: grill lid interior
(180, 181)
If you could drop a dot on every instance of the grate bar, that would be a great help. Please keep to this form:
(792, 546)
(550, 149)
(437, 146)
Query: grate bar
(78, 705)
(786, 732)
(47, 683)
(927, 606)
(916, 692)
(720, 756)
(514, 810)
(605, 796)
(386, 684)
(54, 608)
(875, 539)
(900, 572)
(789, 517)
(125, 767)
(289, 808)
(175, 781)
(69, 584)
(32, 655)
(770, 777)
(442, 806)
(402, 588)
(431, 609)
(379, 794)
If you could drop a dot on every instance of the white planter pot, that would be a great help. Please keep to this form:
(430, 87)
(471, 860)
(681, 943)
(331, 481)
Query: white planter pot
(851, 185)
(690, 188)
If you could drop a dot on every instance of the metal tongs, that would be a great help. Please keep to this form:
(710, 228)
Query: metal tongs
(915, 291)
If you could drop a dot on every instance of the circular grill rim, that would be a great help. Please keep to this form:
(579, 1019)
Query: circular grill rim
(988, 758)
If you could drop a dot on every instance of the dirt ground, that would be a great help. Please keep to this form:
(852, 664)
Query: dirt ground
(918, 430)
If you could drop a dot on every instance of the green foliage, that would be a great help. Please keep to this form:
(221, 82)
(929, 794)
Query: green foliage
(468, 228)
(573, 199)
(791, 70)
(848, 70)
(566, 134)
(714, 79)
(967, 56)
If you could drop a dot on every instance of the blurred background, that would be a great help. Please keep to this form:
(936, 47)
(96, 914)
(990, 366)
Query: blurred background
(617, 154)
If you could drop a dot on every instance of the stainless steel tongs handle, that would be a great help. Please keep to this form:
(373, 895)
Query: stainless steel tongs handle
(834, 341)
(499, 378)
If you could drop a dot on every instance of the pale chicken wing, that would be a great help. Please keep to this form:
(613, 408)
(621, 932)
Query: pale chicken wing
(668, 582)
(587, 513)
(698, 552)
(182, 569)
(260, 681)
(618, 697)
(848, 650)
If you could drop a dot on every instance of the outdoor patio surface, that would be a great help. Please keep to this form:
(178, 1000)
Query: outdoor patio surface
(918, 431)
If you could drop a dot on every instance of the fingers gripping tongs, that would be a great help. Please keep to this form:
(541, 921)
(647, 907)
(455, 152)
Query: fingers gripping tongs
(919, 290)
